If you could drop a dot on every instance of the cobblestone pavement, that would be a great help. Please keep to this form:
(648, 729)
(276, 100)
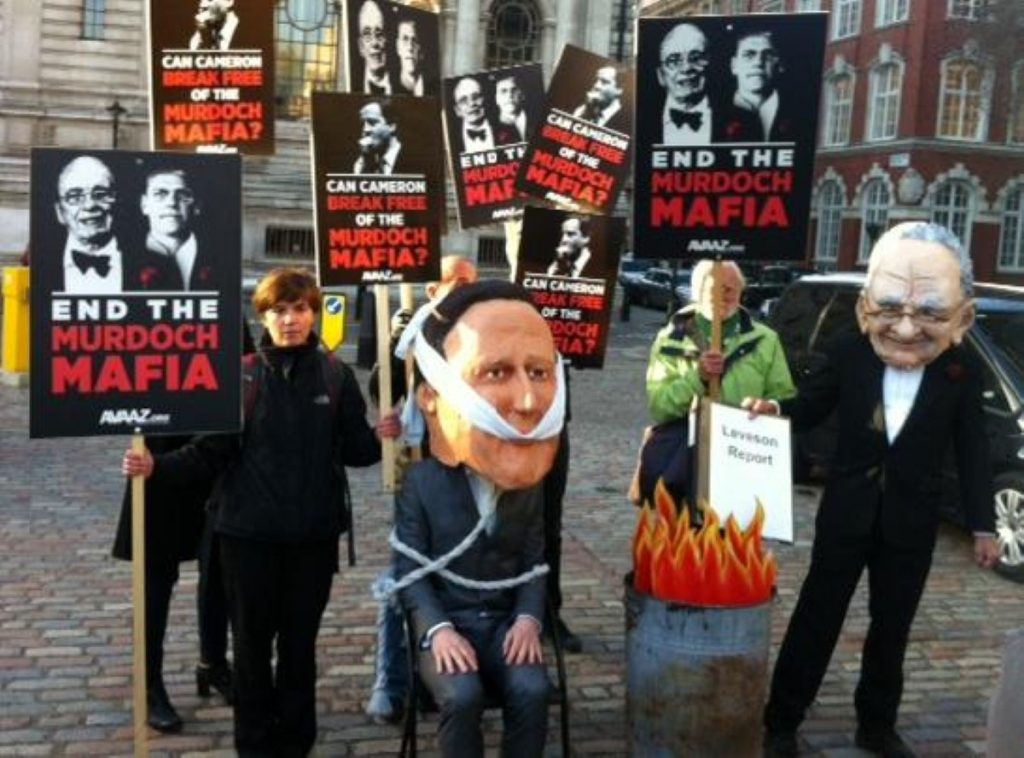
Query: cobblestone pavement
(65, 655)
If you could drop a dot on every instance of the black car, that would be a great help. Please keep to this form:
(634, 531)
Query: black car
(655, 288)
(816, 308)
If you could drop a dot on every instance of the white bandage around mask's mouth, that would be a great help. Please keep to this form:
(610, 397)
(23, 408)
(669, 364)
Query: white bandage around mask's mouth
(456, 392)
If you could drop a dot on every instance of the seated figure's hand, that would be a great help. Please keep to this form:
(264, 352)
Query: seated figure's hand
(522, 643)
(452, 652)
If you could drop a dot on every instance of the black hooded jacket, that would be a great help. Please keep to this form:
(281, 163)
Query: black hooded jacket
(283, 478)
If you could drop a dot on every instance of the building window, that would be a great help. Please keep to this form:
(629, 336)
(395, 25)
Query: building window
(1015, 129)
(891, 12)
(288, 242)
(830, 222)
(963, 110)
(804, 6)
(94, 18)
(884, 111)
(307, 51)
(838, 108)
(952, 208)
(874, 216)
(846, 15)
(969, 9)
(513, 34)
(623, 21)
(771, 6)
(1011, 236)
(490, 251)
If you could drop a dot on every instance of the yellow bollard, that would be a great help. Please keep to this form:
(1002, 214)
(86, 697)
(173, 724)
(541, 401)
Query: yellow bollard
(15, 335)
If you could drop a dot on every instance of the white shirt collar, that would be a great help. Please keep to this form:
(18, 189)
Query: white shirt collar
(899, 390)
(91, 283)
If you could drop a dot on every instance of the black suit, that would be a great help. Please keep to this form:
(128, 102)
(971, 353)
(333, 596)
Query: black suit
(434, 512)
(736, 124)
(154, 271)
(880, 511)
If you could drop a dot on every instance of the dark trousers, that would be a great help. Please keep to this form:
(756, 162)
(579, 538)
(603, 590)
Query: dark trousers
(211, 604)
(276, 594)
(554, 492)
(161, 576)
(896, 579)
(522, 690)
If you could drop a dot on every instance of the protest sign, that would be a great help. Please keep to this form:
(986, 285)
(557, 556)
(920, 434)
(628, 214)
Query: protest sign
(135, 293)
(724, 163)
(569, 263)
(489, 117)
(750, 461)
(578, 158)
(393, 49)
(212, 76)
(379, 188)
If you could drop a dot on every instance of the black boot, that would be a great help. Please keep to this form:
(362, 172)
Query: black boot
(218, 677)
(161, 714)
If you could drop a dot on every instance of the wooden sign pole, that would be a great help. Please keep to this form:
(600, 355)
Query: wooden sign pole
(139, 706)
(408, 301)
(387, 446)
(714, 388)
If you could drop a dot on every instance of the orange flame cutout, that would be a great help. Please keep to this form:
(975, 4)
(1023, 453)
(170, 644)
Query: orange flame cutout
(715, 565)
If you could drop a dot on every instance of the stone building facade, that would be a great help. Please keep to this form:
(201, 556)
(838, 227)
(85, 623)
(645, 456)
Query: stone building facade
(67, 65)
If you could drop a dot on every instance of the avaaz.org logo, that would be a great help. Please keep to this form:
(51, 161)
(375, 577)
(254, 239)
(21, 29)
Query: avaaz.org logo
(133, 417)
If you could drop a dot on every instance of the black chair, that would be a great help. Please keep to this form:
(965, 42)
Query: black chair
(419, 698)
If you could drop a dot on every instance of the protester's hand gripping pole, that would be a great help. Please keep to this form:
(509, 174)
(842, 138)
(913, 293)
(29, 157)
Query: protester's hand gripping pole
(139, 707)
(387, 446)
(714, 389)
(408, 302)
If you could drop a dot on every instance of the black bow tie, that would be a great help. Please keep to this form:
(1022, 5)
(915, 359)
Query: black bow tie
(692, 119)
(376, 89)
(477, 133)
(84, 261)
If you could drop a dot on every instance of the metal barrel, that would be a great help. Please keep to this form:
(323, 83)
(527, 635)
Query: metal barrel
(697, 678)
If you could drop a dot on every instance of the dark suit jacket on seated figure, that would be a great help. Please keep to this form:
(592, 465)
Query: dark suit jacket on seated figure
(434, 512)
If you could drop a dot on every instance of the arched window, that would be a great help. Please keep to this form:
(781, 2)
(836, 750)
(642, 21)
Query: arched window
(1015, 129)
(1011, 233)
(830, 222)
(838, 107)
(307, 53)
(884, 110)
(513, 34)
(963, 103)
(874, 214)
(953, 208)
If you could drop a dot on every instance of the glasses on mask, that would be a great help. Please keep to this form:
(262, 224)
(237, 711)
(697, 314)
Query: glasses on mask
(676, 61)
(925, 316)
(77, 197)
(372, 35)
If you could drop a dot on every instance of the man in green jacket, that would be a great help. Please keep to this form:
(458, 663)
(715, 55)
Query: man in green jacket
(682, 362)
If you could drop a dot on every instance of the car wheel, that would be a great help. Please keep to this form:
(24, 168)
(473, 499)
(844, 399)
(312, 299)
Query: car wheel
(1009, 513)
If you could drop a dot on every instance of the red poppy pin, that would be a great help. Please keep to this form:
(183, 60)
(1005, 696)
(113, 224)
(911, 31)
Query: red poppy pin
(148, 276)
(733, 129)
(205, 274)
(955, 372)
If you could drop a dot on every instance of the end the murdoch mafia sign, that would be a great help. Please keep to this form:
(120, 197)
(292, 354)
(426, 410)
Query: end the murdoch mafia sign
(725, 158)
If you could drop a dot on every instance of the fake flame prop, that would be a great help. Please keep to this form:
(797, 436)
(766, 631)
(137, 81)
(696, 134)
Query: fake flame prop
(712, 566)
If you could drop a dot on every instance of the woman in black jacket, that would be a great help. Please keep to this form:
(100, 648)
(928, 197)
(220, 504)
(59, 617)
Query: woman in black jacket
(280, 510)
